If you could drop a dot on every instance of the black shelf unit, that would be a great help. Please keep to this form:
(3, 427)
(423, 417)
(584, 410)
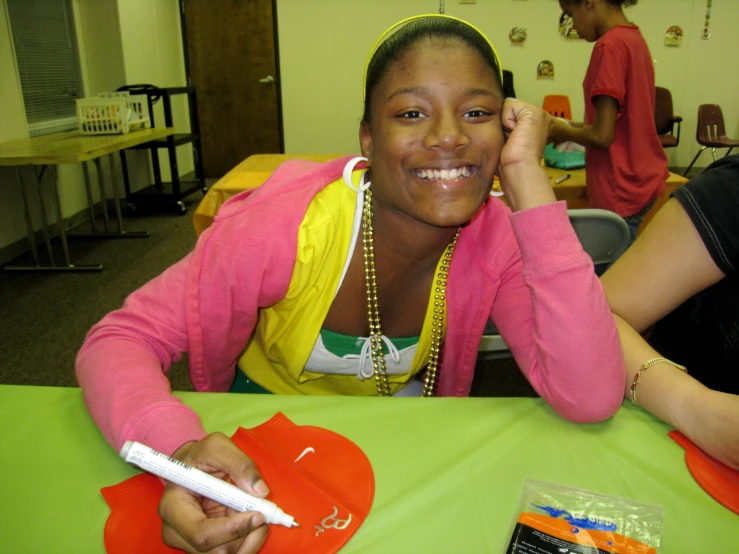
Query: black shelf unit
(170, 193)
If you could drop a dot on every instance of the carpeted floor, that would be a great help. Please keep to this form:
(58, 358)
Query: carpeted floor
(44, 316)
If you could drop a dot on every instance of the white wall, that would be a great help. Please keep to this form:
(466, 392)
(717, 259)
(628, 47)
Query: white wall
(324, 44)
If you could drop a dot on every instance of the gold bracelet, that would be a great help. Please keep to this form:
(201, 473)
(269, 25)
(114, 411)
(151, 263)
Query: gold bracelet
(646, 365)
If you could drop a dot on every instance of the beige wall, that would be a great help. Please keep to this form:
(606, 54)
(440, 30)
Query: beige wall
(324, 43)
(153, 54)
(13, 118)
(120, 42)
(100, 48)
(12, 127)
(323, 46)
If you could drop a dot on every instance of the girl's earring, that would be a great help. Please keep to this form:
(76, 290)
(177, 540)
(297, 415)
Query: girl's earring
(349, 169)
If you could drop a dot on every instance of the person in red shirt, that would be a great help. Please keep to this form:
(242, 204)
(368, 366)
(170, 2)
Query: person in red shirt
(625, 164)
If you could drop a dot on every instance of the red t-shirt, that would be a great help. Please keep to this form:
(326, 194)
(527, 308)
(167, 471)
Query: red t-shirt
(632, 172)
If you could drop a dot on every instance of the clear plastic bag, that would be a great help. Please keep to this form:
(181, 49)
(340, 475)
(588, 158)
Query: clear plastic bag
(556, 519)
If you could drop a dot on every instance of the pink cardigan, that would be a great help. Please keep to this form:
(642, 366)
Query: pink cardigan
(525, 270)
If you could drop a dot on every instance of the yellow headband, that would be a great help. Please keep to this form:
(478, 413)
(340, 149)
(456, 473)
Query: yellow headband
(394, 28)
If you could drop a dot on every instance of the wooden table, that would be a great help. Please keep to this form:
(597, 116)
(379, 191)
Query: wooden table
(256, 169)
(447, 471)
(66, 148)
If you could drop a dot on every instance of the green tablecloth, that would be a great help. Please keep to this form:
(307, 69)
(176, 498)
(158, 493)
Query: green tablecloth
(448, 471)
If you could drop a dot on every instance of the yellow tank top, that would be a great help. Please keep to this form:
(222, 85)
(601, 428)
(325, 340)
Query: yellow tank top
(285, 333)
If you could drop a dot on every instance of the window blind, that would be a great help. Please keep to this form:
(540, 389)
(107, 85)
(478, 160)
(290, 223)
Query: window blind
(47, 60)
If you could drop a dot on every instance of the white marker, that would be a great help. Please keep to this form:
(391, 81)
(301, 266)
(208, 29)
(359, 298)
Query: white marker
(562, 179)
(203, 483)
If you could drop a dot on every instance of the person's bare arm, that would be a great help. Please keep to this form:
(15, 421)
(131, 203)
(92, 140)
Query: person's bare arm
(707, 417)
(599, 135)
(667, 265)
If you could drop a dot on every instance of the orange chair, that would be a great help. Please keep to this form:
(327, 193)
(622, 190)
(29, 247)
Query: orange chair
(665, 120)
(558, 105)
(711, 132)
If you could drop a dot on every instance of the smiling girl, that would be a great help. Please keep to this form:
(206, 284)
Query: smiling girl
(371, 279)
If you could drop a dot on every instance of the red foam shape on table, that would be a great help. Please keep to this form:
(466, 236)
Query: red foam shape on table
(716, 478)
(336, 475)
(134, 521)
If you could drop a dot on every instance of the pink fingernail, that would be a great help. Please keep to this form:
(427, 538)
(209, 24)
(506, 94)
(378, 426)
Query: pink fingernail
(261, 488)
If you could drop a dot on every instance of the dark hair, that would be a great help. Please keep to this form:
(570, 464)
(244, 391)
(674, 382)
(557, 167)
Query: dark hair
(406, 37)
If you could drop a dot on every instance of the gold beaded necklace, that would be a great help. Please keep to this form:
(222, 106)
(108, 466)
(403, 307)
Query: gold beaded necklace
(373, 310)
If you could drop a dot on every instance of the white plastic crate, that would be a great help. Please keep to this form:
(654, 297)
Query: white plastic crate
(112, 113)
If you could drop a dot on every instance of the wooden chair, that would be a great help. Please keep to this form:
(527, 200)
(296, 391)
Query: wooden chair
(711, 133)
(665, 120)
(558, 105)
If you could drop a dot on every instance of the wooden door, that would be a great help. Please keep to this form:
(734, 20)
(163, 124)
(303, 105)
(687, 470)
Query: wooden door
(232, 63)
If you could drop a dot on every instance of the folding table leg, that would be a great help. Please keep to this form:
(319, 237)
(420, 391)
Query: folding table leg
(59, 217)
(44, 217)
(90, 200)
(117, 199)
(69, 266)
(103, 196)
(121, 233)
(27, 213)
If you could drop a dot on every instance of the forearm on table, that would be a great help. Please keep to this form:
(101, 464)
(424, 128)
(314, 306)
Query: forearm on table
(129, 397)
(663, 389)
(578, 360)
(566, 343)
(707, 417)
(121, 366)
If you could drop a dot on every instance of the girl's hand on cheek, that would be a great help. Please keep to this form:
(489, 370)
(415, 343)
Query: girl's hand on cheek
(527, 128)
(522, 178)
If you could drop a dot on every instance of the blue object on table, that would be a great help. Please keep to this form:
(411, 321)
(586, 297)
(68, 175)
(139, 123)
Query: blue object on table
(563, 160)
